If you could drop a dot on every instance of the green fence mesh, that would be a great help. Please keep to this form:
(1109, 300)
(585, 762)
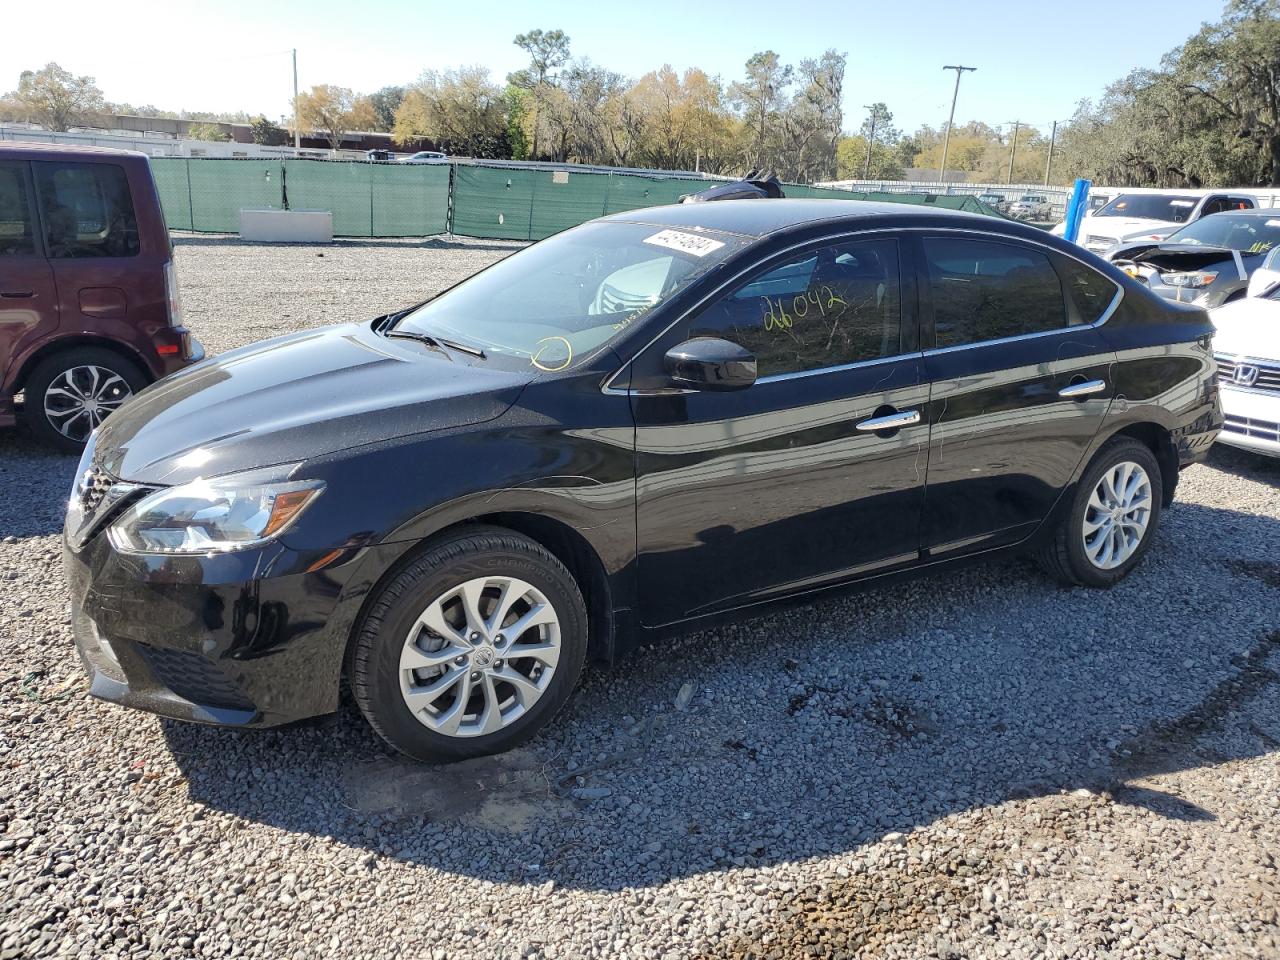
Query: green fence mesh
(221, 188)
(414, 200)
(410, 200)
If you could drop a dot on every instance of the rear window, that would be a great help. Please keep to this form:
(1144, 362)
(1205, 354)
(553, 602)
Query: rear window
(1149, 206)
(87, 209)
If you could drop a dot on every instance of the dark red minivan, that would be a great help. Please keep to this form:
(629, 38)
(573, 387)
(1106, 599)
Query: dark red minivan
(89, 309)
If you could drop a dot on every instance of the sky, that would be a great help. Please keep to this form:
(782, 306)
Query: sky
(231, 55)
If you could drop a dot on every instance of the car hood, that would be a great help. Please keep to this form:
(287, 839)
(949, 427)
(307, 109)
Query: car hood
(1120, 228)
(296, 397)
(1248, 328)
(1177, 257)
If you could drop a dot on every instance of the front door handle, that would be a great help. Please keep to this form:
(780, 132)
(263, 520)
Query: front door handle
(892, 421)
(1087, 388)
(17, 294)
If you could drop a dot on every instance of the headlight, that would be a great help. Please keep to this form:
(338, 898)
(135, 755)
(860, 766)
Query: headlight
(212, 516)
(1194, 280)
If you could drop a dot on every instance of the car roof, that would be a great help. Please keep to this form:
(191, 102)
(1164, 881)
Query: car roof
(758, 218)
(23, 150)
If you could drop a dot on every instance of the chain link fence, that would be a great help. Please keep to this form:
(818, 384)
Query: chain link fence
(412, 200)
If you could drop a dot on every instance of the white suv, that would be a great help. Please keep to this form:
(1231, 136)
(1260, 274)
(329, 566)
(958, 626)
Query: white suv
(1247, 348)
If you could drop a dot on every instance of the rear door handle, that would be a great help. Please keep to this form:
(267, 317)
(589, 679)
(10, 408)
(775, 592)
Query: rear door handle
(17, 294)
(1088, 388)
(892, 421)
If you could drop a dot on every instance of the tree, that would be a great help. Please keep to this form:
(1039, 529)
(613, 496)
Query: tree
(760, 97)
(56, 99)
(328, 110)
(460, 110)
(207, 131)
(547, 51)
(263, 131)
(385, 102)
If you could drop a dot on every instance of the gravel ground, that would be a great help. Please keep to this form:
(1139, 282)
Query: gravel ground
(985, 765)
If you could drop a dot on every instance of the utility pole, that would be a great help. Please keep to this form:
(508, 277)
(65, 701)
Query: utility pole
(297, 131)
(946, 138)
(875, 115)
(1013, 148)
(1048, 164)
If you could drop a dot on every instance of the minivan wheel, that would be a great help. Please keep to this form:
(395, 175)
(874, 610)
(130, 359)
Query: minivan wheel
(70, 393)
(471, 648)
(1113, 517)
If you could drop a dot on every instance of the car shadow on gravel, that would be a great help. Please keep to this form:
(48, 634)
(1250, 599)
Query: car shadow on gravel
(820, 729)
(35, 482)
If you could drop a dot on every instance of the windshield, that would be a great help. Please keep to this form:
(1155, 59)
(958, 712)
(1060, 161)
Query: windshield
(558, 302)
(1244, 233)
(1149, 206)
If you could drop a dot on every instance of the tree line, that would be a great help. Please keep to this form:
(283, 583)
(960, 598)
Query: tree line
(1208, 115)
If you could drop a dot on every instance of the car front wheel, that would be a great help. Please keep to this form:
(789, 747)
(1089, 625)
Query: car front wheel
(471, 648)
(1113, 518)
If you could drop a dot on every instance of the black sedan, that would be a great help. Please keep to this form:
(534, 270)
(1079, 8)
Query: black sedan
(1208, 262)
(639, 426)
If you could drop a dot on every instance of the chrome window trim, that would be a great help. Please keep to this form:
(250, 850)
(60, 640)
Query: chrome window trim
(798, 374)
(854, 234)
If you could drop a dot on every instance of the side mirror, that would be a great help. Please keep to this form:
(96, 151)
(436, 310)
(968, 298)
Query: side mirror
(709, 363)
(1266, 276)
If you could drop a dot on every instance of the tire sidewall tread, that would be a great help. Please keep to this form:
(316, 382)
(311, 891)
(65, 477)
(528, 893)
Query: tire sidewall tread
(373, 667)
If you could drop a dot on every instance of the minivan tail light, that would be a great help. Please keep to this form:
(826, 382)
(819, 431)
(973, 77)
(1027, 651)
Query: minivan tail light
(172, 298)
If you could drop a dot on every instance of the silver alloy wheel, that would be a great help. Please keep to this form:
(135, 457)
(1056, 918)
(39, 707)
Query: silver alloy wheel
(81, 397)
(1116, 518)
(480, 656)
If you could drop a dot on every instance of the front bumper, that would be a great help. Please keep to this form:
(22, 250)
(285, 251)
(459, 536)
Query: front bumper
(255, 638)
(1252, 420)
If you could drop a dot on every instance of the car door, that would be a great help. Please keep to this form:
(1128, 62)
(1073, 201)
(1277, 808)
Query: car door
(785, 485)
(92, 239)
(28, 296)
(1019, 383)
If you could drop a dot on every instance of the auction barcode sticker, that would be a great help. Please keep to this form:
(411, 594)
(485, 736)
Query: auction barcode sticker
(689, 243)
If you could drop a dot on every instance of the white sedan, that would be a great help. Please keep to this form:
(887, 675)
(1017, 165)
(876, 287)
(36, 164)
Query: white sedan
(1247, 347)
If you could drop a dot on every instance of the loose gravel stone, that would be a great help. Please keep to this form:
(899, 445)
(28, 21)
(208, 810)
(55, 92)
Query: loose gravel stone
(976, 765)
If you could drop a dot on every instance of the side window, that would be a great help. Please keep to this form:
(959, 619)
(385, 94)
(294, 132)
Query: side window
(1214, 205)
(984, 290)
(87, 209)
(835, 305)
(1089, 290)
(1240, 203)
(17, 239)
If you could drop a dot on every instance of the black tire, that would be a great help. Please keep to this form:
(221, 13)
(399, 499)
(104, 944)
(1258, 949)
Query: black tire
(1064, 556)
(50, 369)
(374, 663)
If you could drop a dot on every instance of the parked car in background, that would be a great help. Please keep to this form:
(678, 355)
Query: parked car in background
(383, 156)
(1151, 216)
(633, 428)
(1247, 348)
(1208, 261)
(1031, 206)
(425, 156)
(89, 308)
(995, 201)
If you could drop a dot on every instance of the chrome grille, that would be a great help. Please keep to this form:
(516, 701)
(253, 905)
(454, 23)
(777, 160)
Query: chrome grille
(1267, 377)
(1248, 427)
(91, 488)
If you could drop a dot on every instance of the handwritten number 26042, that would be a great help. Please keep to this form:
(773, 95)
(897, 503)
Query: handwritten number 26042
(823, 298)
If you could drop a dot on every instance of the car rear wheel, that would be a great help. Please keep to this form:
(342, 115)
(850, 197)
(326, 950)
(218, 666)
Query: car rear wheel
(70, 393)
(471, 649)
(1113, 518)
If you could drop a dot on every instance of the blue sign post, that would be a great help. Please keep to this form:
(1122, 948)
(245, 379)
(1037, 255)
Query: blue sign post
(1076, 207)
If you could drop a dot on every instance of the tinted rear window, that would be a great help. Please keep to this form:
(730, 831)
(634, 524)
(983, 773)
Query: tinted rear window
(87, 208)
(1149, 206)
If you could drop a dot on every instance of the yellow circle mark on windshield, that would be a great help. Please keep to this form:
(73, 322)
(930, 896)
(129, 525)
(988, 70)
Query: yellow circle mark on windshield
(541, 350)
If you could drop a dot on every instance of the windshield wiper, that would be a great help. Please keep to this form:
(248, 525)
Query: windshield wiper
(439, 343)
